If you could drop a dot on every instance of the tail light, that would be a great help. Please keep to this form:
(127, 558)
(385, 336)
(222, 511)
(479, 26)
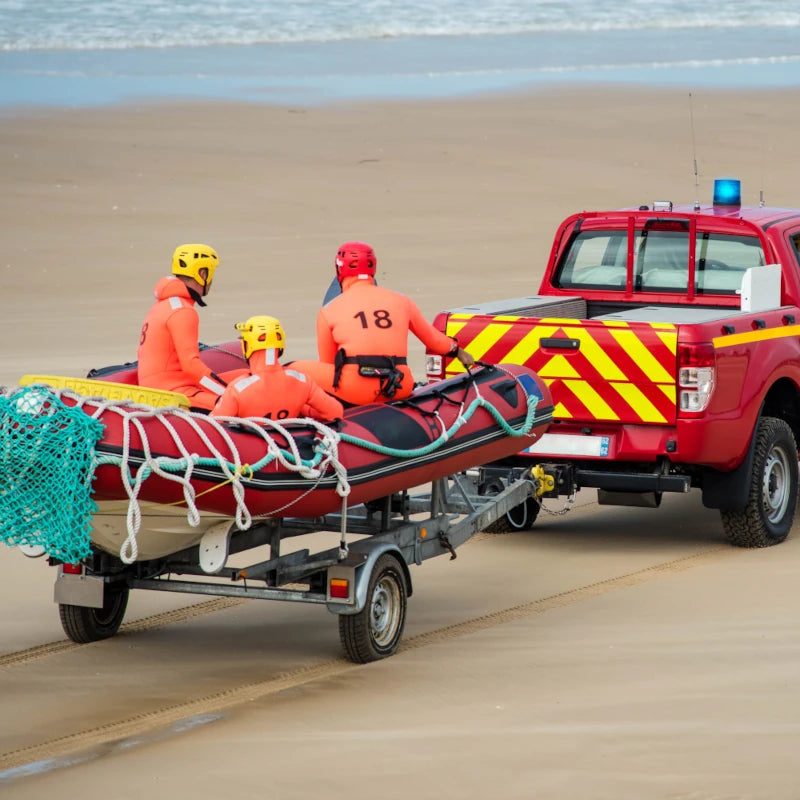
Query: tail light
(434, 367)
(697, 370)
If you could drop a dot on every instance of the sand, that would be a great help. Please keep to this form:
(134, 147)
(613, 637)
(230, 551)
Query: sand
(610, 653)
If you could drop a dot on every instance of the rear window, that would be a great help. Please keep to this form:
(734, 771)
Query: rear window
(597, 259)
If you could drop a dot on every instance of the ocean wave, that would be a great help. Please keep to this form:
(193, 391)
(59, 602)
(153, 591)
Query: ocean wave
(116, 25)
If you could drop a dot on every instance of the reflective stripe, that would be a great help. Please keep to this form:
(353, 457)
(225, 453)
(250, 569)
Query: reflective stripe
(175, 303)
(246, 380)
(295, 374)
(211, 385)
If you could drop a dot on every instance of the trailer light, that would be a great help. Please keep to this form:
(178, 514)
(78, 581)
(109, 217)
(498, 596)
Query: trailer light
(727, 192)
(339, 588)
(696, 377)
(72, 569)
(423, 533)
(433, 366)
(662, 205)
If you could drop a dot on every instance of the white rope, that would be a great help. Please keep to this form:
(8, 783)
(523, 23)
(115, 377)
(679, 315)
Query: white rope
(135, 419)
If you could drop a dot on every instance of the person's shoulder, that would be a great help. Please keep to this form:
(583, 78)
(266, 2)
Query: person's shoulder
(293, 373)
(170, 288)
(241, 383)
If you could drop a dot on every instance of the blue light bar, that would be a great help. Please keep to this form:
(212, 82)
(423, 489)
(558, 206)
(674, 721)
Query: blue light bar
(727, 192)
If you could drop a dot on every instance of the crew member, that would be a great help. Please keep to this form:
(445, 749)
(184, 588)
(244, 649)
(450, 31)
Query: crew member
(169, 354)
(270, 390)
(362, 335)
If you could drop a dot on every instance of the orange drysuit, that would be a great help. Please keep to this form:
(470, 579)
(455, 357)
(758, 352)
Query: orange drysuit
(169, 356)
(274, 392)
(366, 321)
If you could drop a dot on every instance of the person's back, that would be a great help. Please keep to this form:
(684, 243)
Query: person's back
(272, 391)
(169, 356)
(362, 335)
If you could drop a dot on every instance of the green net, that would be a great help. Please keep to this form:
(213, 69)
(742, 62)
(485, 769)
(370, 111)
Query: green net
(47, 453)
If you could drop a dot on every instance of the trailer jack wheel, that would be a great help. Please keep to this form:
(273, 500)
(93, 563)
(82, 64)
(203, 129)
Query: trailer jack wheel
(375, 631)
(83, 624)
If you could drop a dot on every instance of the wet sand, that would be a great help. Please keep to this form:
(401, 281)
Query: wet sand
(608, 653)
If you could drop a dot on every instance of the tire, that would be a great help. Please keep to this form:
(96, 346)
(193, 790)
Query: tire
(375, 631)
(772, 496)
(519, 518)
(84, 625)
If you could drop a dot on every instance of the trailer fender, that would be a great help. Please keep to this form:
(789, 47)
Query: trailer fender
(359, 576)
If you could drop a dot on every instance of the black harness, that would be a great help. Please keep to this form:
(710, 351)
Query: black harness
(382, 367)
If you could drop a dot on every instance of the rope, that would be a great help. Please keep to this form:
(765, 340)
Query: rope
(136, 420)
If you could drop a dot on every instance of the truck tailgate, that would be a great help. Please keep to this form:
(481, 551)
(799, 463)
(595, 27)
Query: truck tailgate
(597, 370)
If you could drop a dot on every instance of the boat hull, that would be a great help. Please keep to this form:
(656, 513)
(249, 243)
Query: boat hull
(374, 469)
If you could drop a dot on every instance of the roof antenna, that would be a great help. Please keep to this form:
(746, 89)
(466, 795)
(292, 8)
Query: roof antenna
(694, 157)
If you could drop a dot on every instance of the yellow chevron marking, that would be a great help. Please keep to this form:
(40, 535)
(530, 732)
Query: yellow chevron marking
(558, 367)
(559, 410)
(669, 390)
(486, 339)
(598, 407)
(465, 317)
(454, 327)
(633, 396)
(559, 320)
(528, 344)
(635, 348)
(596, 355)
(670, 339)
(755, 336)
(615, 323)
(505, 318)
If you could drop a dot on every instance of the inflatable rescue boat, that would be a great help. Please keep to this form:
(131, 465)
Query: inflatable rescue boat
(161, 477)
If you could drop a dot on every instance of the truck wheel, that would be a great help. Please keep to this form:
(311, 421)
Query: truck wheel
(84, 625)
(769, 513)
(519, 518)
(374, 632)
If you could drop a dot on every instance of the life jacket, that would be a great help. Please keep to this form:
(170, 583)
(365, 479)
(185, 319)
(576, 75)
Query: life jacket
(368, 326)
(169, 354)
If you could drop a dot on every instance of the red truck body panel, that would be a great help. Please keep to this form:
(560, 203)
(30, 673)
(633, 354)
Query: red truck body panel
(629, 301)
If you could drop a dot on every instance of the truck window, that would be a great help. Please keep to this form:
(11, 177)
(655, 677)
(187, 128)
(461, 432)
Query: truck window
(720, 261)
(596, 259)
(796, 244)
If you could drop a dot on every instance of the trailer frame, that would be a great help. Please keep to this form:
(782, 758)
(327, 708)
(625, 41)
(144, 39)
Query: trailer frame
(365, 579)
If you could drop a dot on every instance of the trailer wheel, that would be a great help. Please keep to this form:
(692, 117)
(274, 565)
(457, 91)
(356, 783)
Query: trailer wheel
(519, 518)
(84, 625)
(769, 513)
(375, 631)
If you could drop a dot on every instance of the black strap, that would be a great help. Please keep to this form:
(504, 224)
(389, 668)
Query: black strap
(382, 367)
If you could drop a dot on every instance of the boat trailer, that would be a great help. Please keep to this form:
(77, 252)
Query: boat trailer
(365, 579)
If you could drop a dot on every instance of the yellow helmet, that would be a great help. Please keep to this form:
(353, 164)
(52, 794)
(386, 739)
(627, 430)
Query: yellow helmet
(189, 259)
(261, 333)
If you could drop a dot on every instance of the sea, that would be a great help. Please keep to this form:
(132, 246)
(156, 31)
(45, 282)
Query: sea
(80, 53)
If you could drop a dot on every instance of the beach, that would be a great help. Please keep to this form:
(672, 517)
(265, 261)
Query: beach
(675, 677)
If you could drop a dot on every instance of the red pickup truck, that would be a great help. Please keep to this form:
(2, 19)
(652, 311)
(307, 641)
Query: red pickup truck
(669, 336)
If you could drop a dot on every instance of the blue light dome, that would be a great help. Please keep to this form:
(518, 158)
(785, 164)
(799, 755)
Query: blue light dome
(727, 192)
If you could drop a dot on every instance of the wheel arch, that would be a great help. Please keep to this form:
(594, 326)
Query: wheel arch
(783, 401)
(374, 551)
(728, 490)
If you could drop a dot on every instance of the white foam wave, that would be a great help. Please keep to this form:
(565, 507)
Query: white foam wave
(110, 34)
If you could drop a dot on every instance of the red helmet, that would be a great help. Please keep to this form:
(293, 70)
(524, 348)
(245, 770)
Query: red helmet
(355, 258)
